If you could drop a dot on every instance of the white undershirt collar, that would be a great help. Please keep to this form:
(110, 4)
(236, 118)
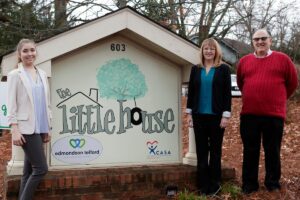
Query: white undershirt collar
(268, 54)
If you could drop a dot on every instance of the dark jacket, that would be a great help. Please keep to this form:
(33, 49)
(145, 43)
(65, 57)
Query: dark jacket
(221, 94)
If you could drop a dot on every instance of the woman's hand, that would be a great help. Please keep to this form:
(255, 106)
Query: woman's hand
(224, 122)
(190, 120)
(46, 137)
(17, 137)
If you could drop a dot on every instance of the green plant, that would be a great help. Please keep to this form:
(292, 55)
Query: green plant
(228, 190)
(231, 189)
(186, 195)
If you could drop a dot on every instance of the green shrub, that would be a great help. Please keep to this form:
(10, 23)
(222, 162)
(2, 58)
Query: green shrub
(231, 189)
(186, 195)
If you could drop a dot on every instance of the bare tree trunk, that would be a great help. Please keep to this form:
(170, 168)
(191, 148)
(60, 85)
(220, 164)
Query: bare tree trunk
(173, 15)
(212, 16)
(203, 28)
(121, 3)
(182, 28)
(61, 13)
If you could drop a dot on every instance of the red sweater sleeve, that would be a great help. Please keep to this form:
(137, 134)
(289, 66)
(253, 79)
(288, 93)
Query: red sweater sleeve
(291, 78)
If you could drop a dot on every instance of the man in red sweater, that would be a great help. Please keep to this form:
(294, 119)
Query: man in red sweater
(267, 79)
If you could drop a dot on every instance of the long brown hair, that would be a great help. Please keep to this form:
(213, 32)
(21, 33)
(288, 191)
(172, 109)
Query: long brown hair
(20, 46)
(218, 55)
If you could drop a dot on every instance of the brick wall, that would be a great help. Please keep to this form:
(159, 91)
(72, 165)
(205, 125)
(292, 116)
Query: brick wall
(136, 182)
(185, 130)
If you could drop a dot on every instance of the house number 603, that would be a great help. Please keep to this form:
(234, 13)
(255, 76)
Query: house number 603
(117, 47)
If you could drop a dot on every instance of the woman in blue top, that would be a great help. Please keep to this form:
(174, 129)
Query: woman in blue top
(29, 115)
(209, 109)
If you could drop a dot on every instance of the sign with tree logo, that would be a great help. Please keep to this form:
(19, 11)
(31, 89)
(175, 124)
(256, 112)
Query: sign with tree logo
(114, 107)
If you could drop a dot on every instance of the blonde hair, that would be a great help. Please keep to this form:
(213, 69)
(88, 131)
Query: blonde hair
(218, 54)
(20, 46)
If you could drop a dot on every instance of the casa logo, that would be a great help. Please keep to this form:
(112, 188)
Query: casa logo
(156, 151)
(77, 149)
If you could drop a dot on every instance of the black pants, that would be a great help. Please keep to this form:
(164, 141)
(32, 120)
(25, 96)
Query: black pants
(35, 166)
(209, 138)
(270, 130)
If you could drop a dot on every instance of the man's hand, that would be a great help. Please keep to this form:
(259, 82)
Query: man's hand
(190, 120)
(224, 122)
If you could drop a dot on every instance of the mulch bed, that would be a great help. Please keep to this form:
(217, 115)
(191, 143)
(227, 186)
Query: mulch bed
(5, 155)
(290, 155)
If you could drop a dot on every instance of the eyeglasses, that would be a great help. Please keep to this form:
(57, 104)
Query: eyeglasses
(260, 38)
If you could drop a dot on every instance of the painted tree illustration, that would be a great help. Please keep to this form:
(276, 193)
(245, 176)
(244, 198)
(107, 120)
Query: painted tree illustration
(120, 79)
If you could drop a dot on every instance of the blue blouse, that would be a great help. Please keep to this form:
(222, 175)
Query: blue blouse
(205, 97)
(39, 102)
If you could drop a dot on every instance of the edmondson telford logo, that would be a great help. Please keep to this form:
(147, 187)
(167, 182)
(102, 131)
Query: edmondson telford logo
(77, 143)
(77, 149)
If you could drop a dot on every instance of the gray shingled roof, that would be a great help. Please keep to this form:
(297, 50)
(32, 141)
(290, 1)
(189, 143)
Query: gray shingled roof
(240, 47)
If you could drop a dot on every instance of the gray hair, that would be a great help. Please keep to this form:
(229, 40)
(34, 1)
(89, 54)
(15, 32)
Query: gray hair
(264, 30)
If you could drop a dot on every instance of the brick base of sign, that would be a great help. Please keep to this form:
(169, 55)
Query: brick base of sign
(140, 183)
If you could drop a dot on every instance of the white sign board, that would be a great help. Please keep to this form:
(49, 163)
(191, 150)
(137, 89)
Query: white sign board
(115, 103)
(3, 106)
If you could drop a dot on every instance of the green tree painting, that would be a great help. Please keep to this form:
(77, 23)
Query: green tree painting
(121, 79)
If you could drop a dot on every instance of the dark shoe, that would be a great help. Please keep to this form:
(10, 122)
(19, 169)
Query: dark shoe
(249, 190)
(214, 190)
(202, 191)
(273, 187)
